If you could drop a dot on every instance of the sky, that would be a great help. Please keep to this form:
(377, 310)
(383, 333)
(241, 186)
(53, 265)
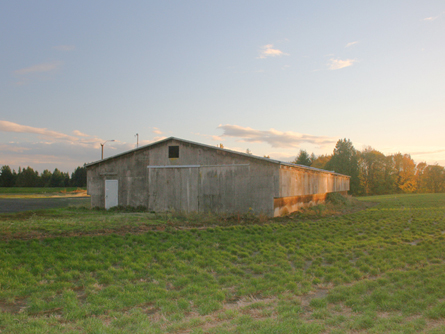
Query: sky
(274, 77)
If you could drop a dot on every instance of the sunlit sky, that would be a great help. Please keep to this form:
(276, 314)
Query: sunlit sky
(273, 77)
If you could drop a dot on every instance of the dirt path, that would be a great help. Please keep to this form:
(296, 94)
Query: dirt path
(8, 205)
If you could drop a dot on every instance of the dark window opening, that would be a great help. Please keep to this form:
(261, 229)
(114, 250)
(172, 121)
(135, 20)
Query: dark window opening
(173, 152)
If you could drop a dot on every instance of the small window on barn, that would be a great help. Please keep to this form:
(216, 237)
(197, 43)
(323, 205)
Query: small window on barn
(173, 152)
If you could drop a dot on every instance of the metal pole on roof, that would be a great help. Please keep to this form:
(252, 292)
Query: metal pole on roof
(137, 142)
(102, 146)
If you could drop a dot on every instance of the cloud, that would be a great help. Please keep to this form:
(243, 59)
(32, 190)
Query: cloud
(13, 148)
(351, 44)
(64, 47)
(427, 152)
(217, 138)
(275, 138)
(80, 134)
(157, 131)
(336, 64)
(39, 68)
(433, 18)
(155, 139)
(214, 138)
(6, 126)
(56, 149)
(268, 51)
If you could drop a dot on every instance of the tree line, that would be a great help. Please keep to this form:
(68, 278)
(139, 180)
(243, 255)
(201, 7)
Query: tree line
(373, 173)
(27, 177)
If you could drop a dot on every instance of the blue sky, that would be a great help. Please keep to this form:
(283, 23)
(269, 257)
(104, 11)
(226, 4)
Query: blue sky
(270, 76)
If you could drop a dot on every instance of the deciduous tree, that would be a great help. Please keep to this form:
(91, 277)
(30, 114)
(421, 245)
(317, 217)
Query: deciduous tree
(321, 161)
(406, 173)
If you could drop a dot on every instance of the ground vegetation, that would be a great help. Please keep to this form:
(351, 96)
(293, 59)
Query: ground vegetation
(329, 269)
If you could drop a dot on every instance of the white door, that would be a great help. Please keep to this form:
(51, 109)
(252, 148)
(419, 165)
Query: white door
(111, 193)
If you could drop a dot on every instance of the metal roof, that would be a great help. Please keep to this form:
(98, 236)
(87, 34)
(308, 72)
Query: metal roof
(283, 163)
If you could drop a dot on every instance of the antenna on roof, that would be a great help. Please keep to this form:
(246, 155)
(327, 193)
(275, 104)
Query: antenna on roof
(137, 142)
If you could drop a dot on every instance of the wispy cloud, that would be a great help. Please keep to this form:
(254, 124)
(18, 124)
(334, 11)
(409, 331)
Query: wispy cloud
(351, 44)
(56, 149)
(10, 147)
(428, 152)
(269, 51)
(64, 47)
(6, 126)
(44, 67)
(80, 134)
(212, 137)
(275, 138)
(433, 18)
(157, 131)
(154, 139)
(336, 64)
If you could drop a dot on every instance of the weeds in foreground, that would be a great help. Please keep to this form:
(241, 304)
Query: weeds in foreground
(375, 271)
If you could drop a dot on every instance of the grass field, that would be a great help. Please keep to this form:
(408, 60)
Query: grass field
(40, 192)
(379, 270)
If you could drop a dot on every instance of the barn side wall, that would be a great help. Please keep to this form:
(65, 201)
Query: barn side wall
(226, 182)
(301, 187)
(131, 172)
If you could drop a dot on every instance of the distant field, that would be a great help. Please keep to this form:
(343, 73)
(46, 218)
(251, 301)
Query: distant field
(76, 270)
(29, 193)
(37, 190)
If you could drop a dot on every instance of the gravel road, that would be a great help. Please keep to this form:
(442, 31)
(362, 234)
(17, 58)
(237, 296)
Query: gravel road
(8, 205)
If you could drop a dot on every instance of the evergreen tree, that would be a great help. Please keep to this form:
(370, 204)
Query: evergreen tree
(7, 177)
(27, 177)
(57, 179)
(79, 177)
(45, 178)
(303, 158)
(345, 161)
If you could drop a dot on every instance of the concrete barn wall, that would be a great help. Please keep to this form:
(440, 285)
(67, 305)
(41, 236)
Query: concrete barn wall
(131, 172)
(207, 179)
(224, 182)
(303, 187)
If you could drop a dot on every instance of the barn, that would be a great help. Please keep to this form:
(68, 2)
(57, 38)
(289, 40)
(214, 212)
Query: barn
(177, 174)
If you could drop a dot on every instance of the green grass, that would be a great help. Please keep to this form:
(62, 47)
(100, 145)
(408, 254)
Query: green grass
(380, 270)
(37, 190)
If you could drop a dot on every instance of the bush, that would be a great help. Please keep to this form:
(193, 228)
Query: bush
(336, 199)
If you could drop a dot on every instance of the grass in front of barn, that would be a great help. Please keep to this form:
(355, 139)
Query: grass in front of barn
(380, 270)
